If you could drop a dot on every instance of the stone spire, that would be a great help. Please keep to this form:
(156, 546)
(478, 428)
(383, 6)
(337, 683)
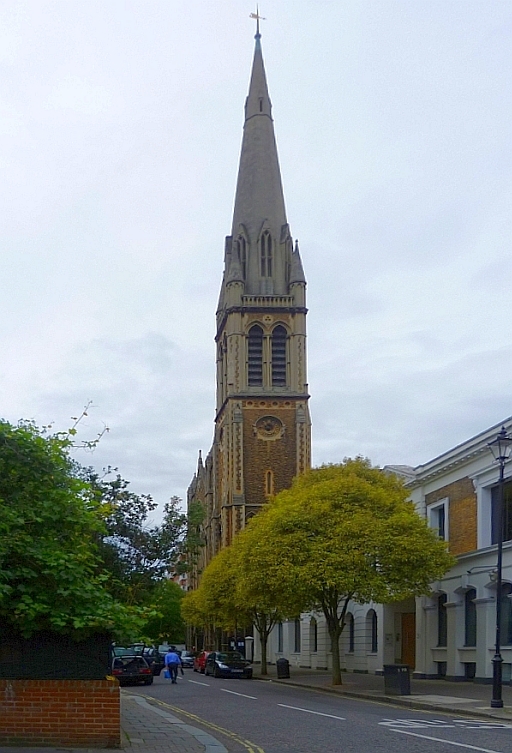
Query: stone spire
(259, 195)
(297, 270)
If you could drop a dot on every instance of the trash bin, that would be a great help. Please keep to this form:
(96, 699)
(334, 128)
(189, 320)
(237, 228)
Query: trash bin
(397, 679)
(283, 669)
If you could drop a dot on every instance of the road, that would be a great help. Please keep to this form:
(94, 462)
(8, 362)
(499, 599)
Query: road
(268, 717)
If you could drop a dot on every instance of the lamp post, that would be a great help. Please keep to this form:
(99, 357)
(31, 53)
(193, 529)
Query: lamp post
(501, 448)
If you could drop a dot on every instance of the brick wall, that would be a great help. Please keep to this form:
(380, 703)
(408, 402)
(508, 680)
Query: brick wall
(84, 713)
(462, 514)
(278, 456)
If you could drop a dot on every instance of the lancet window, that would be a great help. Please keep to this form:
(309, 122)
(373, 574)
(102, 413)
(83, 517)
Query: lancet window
(266, 254)
(241, 245)
(255, 356)
(279, 358)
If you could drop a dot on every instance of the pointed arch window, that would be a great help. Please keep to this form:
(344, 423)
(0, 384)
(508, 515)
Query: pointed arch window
(279, 338)
(266, 254)
(255, 356)
(269, 483)
(241, 246)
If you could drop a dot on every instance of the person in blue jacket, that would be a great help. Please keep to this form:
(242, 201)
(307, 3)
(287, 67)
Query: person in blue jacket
(172, 663)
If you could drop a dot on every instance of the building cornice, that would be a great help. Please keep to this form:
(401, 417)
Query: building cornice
(459, 456)
(276, 304)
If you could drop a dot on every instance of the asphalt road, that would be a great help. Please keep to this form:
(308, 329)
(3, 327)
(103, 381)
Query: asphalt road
(267, 717)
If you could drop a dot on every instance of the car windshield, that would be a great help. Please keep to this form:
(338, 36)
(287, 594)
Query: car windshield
(229, 656)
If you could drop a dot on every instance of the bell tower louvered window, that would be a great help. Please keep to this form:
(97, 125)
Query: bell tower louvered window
(279, 357)
(242, 254)
(266, 254)
(255, 356)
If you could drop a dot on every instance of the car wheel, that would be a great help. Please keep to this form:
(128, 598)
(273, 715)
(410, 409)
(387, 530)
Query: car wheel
(149, 681)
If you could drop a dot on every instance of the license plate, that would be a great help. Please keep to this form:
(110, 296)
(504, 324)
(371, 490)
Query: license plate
(237, 670)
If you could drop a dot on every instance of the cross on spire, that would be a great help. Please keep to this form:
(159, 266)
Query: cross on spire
(258, 18)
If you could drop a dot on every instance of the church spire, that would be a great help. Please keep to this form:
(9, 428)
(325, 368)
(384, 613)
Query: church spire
(259, 198)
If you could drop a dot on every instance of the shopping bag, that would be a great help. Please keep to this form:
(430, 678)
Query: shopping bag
(167, 674)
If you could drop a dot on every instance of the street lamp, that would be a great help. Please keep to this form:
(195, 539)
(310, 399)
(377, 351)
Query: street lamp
(501, 448)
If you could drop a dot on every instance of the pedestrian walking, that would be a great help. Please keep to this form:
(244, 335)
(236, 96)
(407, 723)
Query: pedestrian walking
(172, 663)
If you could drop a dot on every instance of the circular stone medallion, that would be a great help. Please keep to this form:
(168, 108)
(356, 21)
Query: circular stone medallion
(269, 427)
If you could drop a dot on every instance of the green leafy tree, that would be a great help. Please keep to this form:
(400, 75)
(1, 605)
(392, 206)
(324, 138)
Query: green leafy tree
(348, 532)
(242, 586)
(213, 606)
(194, 539)
(50, 570)
(136, 554)
(166, 625)
(268, 598)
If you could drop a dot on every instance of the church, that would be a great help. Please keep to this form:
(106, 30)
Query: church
(262, 434)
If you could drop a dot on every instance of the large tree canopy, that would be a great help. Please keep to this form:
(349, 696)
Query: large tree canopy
(50, 520)
(348, 532)
(340, 533)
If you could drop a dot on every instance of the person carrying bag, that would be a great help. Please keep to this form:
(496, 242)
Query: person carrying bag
(172, 663)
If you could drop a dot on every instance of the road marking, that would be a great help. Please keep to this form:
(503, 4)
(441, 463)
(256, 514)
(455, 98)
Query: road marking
(247, 744)
(444, 724)
(206, 685)
(447, 742)
(308, 711)
(242, 694)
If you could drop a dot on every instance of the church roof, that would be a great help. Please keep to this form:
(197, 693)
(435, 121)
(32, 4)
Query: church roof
(259, 194)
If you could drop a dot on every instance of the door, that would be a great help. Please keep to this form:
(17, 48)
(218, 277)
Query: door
(409, 639)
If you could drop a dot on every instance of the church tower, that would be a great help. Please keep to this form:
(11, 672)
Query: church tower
(262, 425)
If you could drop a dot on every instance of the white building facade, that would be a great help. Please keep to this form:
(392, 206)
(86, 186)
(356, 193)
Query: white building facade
(451, 632)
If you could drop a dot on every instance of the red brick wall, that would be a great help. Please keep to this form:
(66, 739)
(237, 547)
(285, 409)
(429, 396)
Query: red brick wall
(82, 713)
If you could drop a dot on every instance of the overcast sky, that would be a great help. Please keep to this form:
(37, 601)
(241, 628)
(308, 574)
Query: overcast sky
(120, 131)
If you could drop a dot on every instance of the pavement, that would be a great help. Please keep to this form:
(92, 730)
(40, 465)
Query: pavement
(464, 698)
(148, 728)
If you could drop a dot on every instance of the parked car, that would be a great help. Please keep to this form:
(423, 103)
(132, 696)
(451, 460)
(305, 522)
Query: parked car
(152, 655)
(200, 661)
(132, 670)
(187, 659)
(228, 664)
(155, 659)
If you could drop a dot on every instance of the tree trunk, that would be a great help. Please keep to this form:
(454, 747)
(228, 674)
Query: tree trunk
(263, 642)
(334, 635)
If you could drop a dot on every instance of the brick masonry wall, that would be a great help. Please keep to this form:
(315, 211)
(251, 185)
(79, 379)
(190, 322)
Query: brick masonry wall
(462, 514)
(260, 455)
(81, 713)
